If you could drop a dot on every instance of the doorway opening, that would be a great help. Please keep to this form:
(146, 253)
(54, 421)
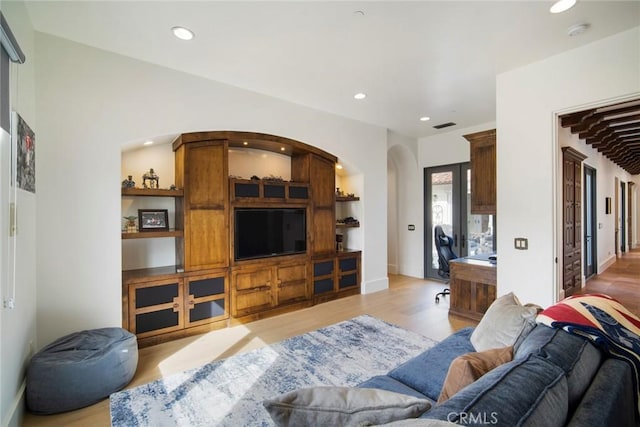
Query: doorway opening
(590, 222)
(448, 203)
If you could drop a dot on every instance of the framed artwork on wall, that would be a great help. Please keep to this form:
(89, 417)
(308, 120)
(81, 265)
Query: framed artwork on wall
(24, 144)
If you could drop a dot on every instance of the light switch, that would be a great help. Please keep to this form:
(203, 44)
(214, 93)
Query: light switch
(521, 243)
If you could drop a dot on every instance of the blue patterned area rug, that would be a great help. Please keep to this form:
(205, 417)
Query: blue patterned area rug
(230, 392)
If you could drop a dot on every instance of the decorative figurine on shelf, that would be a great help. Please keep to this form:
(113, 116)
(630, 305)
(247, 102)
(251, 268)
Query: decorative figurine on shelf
(339, 193)
(130, 225)
(173, 187)
(154, 179)
(129, 182)
(339, 243)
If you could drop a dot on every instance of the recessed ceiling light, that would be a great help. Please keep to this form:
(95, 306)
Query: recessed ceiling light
(182, 33)
(562, 5)
(282, 148)
(245, 143)
(148, 142)
(338, 166)
(577, 29)
(425, 119)
(360, 95)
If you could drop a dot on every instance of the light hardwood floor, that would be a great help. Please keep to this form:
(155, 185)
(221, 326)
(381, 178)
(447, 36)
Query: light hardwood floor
(621, 281)
(408, 302)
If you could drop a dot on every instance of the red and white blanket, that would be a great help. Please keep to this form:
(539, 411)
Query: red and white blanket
(604, 321)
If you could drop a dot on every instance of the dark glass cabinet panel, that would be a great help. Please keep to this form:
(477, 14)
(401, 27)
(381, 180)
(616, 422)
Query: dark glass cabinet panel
(206, 310)
(206, 287)
(274, 191)
(163, 294)
(323, 268)
(247, 190)
(298, 192)
(156, 320)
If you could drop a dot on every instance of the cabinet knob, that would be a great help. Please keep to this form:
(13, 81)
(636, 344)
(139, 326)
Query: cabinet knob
(191, 302)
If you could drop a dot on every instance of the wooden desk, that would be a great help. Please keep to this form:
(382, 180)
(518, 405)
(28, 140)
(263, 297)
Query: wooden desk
(473, 287)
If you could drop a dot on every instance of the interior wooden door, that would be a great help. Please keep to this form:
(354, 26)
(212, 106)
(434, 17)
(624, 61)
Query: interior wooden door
(572, 220)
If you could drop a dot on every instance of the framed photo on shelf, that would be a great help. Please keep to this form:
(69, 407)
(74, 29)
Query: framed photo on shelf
(153, 220)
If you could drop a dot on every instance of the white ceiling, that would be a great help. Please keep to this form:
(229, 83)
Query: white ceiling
(416, 58)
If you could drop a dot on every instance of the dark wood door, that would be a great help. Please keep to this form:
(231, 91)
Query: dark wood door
(572, 220)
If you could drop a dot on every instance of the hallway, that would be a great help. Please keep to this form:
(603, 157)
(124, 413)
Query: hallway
(620, 281)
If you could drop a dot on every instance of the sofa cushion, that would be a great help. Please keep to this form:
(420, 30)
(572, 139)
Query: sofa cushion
(525, 392)
(576, 356)
(426, 372)
(505, 321)
(344, 406)
(385, 382)
(469, 367)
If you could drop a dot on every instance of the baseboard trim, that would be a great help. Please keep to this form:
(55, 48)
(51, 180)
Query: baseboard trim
(607, 263)
(392, 268)
(15, 414)
(375, 285)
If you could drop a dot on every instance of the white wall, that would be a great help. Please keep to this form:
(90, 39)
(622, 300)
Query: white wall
(19, 323)
(527, 100)
(91, 102)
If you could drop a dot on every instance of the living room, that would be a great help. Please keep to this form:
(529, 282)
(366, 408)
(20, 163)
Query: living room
(85, 103)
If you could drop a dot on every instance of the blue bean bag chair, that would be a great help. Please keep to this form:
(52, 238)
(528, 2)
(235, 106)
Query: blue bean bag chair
(80, 369)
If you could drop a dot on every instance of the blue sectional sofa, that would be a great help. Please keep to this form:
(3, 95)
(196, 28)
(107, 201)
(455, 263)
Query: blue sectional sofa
(554, 379)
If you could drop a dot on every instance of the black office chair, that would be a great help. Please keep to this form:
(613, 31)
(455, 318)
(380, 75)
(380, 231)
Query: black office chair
(444, 247)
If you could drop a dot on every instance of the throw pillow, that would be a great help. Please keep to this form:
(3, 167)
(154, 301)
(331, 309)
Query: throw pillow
(469, 367)
(343, 406)
(503, 323)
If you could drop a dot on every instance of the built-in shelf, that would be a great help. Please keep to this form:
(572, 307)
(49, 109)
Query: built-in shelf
(343, 225)
(155, 272)
(152, 192)
(152, 234)
(347, 198)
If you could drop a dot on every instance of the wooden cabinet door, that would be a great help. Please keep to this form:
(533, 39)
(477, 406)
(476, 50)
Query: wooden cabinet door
(292, 283)
(323, 225)
(252, 290)
(482, 146)
(206, 240)
(156, 307)
(206, 298)
(348, 272)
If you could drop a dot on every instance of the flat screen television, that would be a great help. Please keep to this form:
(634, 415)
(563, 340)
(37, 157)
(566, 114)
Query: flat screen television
(266, 232)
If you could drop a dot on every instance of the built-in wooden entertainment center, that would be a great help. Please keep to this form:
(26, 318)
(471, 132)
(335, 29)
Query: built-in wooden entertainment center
(208, 288)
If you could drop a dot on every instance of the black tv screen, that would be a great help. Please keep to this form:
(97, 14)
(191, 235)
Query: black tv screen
(265, 232)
